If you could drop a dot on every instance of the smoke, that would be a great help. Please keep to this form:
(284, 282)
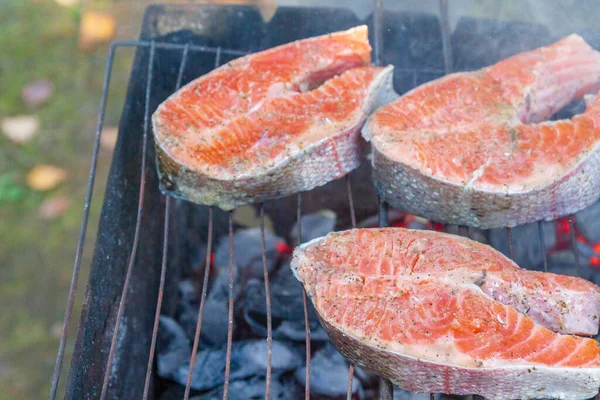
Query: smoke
(562, 17)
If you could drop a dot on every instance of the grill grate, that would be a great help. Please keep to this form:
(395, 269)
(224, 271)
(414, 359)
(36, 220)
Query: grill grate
(82, 235)
(163, 268)
(136, 236)
(386, 389)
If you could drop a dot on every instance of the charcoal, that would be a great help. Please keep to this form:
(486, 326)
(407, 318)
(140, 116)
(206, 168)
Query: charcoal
(216, 309)
(296, 331)
(373, 221)
(248, 358)
(197, 257)
(286, 296)
(401, 394)
(248, 260)
(328, 374)
(585, 252)
(172, 347)
(476, 234)
(290, 330)
(188, 291)
(247, 253)
(314, 226)
(452, 229)
(173, 392)
(287, 309)
(570, 110)
(418, 223)
(187, 308)
(254, 388)
(587, 222)
(187, 316)
(526, 243)
(215, 319)
(367, 378)
(563, 263)
(479, 235)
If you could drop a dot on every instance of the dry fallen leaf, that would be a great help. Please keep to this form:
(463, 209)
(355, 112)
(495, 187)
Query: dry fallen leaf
(267, 9)
(20, 129)
(54, 207)
(227, 1)
(45, 177)
(67, 3)
(96, 27)
(37, 93)
(56, 329)
(108, 140)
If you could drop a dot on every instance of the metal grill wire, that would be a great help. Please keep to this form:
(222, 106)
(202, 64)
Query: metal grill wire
(91, 180)
(304, 304)
(163, 267)
(68, 314)
(73, 287)
(230, 320)
(263, 251)
(386, 389)
(136, 236)
(83, 229)
(353, 219)
(204, 282)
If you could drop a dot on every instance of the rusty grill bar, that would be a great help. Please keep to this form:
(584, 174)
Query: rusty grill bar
(83, 229)
(92, 175)
(163, 267)
(511, 250)
(304, 304)
(542, 244)
(574, 245)
(386, 388)
(81, 241)
(138, 219)
(353, 220)
(230, 320)
(263, 252)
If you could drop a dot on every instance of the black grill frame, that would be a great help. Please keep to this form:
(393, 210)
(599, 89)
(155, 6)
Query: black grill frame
(137, 239)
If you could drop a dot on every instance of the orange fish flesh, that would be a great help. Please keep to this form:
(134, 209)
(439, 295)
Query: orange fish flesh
(435, 312)
(270, 124)
(474, 148)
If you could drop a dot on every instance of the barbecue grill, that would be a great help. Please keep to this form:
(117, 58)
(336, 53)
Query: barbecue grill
(145, 239)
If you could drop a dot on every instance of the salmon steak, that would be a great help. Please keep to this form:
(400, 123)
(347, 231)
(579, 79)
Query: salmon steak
(440, 313)
(272, 123)
(476, 149)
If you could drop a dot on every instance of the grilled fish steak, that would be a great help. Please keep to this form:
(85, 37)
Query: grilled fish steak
(472, 148)
(435, 312)
(270, 124)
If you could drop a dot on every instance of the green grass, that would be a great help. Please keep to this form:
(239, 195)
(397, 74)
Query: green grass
(39, 41)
